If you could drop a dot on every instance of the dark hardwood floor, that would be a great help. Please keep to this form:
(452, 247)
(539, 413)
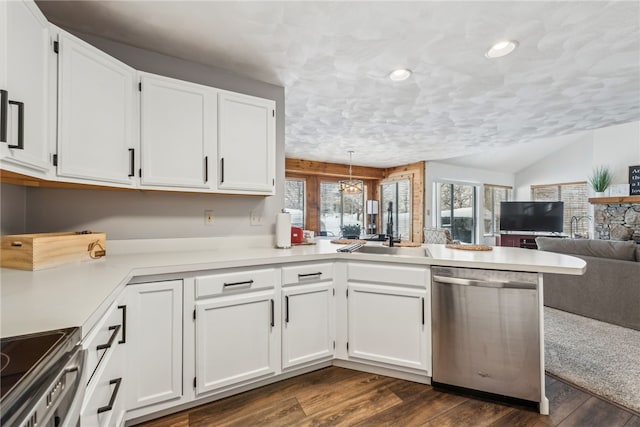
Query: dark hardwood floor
(342, 397)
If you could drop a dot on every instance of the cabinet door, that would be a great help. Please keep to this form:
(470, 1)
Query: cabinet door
(246, 143)
(307, 324)
(177, 134)
(23, 79)
(154, 341)
(235, 340)
(388, 324)
(96, 132)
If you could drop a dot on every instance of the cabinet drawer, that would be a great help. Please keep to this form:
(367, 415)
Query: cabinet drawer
(104, 337)
(235, 281)
(307, 273)
(388, 273)
(104, 402)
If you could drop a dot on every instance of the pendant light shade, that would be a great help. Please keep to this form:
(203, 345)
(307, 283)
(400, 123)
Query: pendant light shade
(351, 186)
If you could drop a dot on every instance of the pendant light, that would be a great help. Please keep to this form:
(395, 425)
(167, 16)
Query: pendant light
(351, 186)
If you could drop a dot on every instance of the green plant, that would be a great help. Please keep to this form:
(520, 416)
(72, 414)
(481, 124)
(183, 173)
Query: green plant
(600, 179)
(350, 230)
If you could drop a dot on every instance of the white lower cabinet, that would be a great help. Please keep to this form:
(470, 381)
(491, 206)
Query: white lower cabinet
(154, 343)
(104, 403)
(308, 326)
(236, 330)
(388, 315)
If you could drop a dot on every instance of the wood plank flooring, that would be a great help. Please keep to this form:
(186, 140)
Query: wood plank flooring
(342, 397)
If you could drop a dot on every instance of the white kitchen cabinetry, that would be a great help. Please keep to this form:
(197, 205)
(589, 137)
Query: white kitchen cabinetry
(236, 328)
(177, 133)
(246, 144)
(104, 403)
(308, 331)
(96, 114)
(388, 315)
(24, 67)
(154, 343)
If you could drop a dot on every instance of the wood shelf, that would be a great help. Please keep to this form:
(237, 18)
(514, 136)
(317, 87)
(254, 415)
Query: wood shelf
(615, 199)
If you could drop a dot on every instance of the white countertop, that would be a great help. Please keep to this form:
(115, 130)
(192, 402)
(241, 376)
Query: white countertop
(77, 294)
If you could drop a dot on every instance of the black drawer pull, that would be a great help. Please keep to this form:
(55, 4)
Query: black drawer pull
(115, 330)
(4, 112)
(114, 395)
(245, 283)
(286, 309)
(302, 276)
(124, 324)
(132, 167)
(423, 310)
(273, 315)
(20, 144)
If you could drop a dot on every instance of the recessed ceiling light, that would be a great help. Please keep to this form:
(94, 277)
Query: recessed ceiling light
(400, 74)
(501, 49)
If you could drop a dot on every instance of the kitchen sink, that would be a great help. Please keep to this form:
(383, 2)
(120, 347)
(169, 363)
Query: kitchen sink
(395, 250)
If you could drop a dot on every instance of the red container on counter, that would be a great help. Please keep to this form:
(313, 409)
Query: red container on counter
(297, 235)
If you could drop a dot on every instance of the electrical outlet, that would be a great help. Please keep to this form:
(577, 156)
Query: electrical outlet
(255, 218)
(208, 217)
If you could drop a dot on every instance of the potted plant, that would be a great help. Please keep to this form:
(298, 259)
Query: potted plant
(600, 180)
(350, 231)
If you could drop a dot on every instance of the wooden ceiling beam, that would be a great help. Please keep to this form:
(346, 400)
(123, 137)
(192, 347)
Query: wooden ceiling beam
(311, 167)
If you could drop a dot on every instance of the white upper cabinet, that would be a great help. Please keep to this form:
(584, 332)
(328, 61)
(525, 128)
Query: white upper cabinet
(177, 133)
(24, 65)
(96, 114)
(246, 144)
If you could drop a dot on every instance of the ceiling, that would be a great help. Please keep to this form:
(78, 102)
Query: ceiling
(577, 67)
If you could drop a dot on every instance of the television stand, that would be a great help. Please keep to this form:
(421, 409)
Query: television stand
(527, 241)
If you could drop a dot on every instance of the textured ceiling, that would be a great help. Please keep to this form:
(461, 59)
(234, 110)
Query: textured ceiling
(577, 67)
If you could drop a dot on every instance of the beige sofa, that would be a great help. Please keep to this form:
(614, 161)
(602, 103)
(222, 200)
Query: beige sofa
(609, 290)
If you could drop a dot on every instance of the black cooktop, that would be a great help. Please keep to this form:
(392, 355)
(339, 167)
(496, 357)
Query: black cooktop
(21, 357)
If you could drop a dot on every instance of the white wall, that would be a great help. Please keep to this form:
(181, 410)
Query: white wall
(443, 172)
(617, 147)
(138, 214)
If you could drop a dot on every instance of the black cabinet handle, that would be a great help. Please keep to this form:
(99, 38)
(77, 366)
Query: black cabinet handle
(423, 310)
(20, 144)
(246, 282)
(115, 330)
(302, 276)
(114, 394)
(286, 309)
(273, 319)
(222, 170)
(206, 169)
(4, 113)
(124, 324)
(132, 169)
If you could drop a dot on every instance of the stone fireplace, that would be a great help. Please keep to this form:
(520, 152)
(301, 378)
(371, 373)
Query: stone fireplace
(616, 218)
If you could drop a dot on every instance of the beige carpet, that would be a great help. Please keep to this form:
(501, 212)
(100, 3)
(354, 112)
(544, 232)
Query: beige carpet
(597, 356)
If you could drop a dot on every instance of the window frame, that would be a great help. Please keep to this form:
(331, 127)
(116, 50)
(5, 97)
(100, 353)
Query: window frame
(495, 225)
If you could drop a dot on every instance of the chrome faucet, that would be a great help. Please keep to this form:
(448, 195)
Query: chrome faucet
(390, 223)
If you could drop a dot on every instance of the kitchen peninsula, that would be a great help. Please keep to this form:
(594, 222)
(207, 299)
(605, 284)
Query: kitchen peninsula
(207, 292)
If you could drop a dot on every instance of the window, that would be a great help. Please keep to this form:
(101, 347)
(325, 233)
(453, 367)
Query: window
(575, 196)
(493, 195)
(294, 201)
(456, 210)
(399, 194)
(338, 209)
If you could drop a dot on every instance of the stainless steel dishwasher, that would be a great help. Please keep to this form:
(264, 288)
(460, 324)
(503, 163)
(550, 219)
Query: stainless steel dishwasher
(485, 329)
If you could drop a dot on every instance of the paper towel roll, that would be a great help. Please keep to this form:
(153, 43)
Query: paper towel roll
(283, 230)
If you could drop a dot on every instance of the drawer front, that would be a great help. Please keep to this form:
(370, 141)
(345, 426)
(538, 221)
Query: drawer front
(235, 281)
(307, 273)
(103, 338)
(392, 274)
(104, 403)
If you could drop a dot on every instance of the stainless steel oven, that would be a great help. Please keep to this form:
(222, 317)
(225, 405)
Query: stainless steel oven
(41, 379)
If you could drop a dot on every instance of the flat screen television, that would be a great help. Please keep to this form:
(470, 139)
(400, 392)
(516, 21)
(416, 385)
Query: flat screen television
(532, 216)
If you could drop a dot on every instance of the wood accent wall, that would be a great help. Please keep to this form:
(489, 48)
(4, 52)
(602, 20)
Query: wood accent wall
(312, 172)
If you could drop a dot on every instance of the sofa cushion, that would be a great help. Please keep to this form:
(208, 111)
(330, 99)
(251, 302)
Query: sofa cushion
(625, 251)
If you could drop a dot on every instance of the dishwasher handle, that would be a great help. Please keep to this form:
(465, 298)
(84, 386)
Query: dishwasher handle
(483, 283)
